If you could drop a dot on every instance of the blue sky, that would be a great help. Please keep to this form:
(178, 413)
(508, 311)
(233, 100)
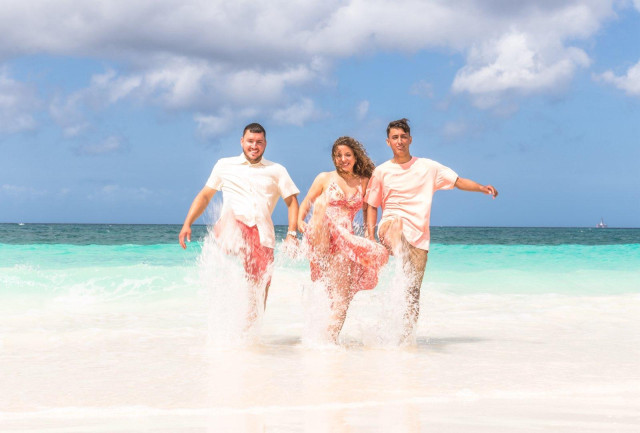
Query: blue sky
(115, 111)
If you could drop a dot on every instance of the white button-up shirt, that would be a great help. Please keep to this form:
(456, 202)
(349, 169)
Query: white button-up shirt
(251, 191)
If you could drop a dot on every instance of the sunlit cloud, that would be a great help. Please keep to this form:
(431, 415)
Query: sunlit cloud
(206, 57)
(629, 82)
(362, 110)
(18, 102)
(21, 191)
(109, 145)
(117, 192)
(514, 63)
(453, 130)
(422, 88)
(210, 126)
(67, 113)
(297, 113)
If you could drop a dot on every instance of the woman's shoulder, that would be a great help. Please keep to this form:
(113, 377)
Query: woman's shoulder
(323, 177)
(326, 175)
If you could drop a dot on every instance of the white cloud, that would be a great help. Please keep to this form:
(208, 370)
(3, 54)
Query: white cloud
(453, 130)
(112, 192)
(67, 113)
(362, 110)
(173, 84)
(18, 101)
(212, 125)
(298, 113)
(630, 82)
(112, 144)
(177, 84)
(422, 88)
(21, 191)
(208, 55)
(515, 63)
(111, 88)
(637, 4)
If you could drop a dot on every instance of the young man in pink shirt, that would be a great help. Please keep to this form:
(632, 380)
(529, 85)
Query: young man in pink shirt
(404, 188)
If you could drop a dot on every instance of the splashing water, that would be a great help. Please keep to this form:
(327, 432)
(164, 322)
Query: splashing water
(230, 295)
(235, 305)
(317, 314)
(377, 318)
(389, 299)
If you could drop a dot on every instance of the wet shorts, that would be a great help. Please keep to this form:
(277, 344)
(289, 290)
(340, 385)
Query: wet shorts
(257, 258)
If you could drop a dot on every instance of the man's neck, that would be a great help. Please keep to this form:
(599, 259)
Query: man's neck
(258, 161)
(401, 160)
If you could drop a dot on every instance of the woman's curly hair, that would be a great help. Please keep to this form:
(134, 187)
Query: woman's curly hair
(363, 166)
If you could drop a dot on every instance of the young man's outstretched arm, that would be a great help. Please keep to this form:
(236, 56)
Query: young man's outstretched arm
(470, 185)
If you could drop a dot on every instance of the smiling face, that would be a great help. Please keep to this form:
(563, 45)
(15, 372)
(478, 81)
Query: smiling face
(399, 142)
(253, 146)
(344, 159)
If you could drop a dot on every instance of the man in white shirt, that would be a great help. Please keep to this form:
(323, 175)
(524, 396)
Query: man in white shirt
(251, 186)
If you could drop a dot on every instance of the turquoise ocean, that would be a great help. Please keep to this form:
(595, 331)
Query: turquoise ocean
(116, 328)
(50, 260)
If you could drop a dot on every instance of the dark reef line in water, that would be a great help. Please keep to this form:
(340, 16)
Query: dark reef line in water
(151, 234)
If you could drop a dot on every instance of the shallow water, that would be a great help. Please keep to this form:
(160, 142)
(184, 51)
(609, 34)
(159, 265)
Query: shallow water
(129, 335)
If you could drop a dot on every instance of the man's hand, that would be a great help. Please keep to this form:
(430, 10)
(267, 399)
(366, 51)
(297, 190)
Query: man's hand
(302, 226)
(291, 246)
(490, 189)
(184, 233)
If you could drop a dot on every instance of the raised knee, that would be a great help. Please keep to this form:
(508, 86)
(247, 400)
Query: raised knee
(396, 225)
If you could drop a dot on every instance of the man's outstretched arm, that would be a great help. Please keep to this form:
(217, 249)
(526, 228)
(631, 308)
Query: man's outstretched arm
(470, 185)
(198, 206)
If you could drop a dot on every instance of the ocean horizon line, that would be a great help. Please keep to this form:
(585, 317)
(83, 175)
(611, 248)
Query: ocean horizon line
(284, 225)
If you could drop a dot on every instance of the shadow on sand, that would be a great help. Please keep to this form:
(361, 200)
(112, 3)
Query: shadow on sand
(441, 344)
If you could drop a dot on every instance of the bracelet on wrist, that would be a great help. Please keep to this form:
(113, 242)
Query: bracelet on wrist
(292, 233)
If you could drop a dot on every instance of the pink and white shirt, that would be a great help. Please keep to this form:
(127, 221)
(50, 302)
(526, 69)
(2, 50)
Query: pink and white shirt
(406, 191)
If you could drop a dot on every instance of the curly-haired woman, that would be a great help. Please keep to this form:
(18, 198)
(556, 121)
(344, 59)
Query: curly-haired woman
(342, 261)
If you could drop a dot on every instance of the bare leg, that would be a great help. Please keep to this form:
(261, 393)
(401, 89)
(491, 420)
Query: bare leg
(339, 306)
(266, 293)
(257, 292)
(414, 262)
(390, 234)
(252, 313)
(335, 268)
(340, 293)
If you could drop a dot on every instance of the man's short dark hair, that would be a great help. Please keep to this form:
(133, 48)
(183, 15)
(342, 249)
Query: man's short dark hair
(256, 128)
(400, 124)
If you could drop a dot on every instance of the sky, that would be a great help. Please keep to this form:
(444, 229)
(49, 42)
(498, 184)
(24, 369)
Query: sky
(115, 111)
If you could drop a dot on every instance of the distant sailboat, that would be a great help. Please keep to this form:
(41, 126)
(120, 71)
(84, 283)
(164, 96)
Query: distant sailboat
(601, 224)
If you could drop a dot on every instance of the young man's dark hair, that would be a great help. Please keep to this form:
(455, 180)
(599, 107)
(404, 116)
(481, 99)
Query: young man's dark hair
(256, 128)
(400, 124)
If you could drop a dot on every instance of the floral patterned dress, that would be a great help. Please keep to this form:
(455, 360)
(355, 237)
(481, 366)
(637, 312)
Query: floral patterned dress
(362, 257)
